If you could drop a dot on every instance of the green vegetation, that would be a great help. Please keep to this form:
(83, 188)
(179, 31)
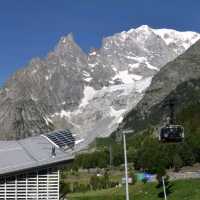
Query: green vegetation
(92, 160)
(72, 181)
(145, 153)
(182, 189)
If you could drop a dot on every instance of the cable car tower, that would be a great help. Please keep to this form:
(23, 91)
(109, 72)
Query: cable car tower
(171, 132)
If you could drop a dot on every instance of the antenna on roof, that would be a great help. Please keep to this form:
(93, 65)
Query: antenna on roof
(53, 152)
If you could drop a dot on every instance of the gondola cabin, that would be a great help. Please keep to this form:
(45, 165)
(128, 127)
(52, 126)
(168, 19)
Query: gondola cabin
(171, 133)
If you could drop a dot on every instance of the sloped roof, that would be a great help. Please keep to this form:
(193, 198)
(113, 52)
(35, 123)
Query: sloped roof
(32, 152)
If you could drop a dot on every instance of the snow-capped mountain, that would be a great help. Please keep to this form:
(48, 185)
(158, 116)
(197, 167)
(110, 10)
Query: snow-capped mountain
(88, 93)
(178, 80)
(178, 41)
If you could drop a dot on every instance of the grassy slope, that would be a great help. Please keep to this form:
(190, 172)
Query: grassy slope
(181, 190)
(84, 177)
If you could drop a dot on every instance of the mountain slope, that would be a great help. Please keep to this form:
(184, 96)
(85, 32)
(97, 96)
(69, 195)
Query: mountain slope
(87, 93)
(107, 106)
(179, 79)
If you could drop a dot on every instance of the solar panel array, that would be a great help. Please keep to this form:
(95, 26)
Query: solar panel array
(62, 138)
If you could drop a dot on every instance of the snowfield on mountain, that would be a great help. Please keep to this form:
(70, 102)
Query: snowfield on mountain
(87, 93)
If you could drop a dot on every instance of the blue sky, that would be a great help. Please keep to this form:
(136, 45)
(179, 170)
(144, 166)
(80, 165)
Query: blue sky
(31, 28)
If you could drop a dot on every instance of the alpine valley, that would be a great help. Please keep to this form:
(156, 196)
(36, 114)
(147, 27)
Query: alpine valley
(91, 93)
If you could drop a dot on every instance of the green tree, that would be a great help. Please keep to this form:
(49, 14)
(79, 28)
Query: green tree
(177, 162)
(75, 187)
(133, 176)
(106, 179)
(94, 182)
(151, 156)
(160, 172)
(65, 188)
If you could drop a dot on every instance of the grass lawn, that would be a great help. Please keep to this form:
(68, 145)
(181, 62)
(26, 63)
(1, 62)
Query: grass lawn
(180, 190)
(84, 177)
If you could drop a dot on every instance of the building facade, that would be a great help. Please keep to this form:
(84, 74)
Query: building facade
(38, 184)
(30, 171)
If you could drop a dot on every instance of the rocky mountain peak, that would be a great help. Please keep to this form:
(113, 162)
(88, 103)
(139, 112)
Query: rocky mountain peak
(178, 41)
(143, 32)
(91, 93)
(67, 46)
(66, 39)
(182, 71)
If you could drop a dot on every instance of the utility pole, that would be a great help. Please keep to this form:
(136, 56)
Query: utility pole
(164, 189)
(110, 153)
(125, 161)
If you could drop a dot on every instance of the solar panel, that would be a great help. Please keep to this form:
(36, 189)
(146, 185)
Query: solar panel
(62, 138)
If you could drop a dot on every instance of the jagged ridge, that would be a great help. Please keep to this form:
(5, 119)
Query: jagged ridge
(90, 93)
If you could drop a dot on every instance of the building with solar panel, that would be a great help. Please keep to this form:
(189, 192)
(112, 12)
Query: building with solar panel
(29, 168)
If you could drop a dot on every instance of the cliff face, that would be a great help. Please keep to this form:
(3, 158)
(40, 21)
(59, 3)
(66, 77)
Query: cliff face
(90, 94)
(178, 80)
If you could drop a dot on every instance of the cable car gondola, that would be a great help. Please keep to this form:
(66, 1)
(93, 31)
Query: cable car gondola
(171, 132)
